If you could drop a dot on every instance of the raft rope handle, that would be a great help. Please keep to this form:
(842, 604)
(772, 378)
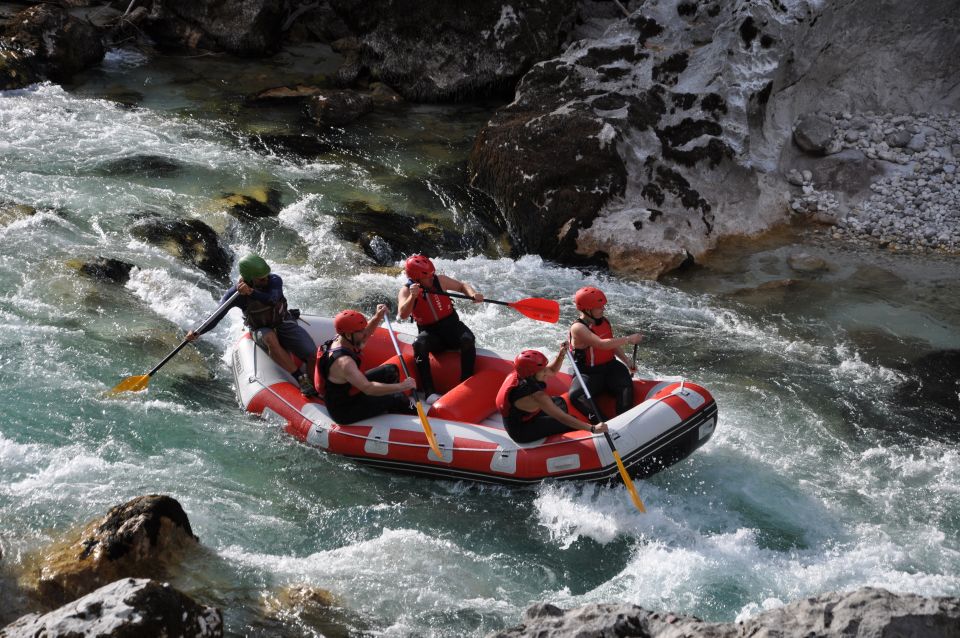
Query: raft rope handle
(418, 445)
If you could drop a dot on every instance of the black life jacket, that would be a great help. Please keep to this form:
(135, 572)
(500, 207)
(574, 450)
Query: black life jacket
(334, 392)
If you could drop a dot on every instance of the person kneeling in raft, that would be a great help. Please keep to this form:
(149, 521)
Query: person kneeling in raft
(350, 394)
(440, 326)
(595, 351)
(272, 326)
(528, 412)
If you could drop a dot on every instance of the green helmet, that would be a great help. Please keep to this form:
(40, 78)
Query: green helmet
(253, 266)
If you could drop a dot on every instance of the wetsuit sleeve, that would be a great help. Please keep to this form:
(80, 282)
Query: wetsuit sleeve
(223, 299)
(272, 294)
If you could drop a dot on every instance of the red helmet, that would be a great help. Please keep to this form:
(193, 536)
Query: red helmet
(349, 321)
(529, 362)
(419, 267)
(589, 298)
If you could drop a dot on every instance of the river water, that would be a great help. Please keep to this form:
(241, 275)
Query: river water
(829, 469)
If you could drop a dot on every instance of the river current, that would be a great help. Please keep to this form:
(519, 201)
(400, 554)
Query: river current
(828, 471)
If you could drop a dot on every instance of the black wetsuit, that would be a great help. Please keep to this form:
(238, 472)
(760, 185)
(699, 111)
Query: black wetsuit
(524, 427)
(448, 333)
(346, 408)
(611, 376)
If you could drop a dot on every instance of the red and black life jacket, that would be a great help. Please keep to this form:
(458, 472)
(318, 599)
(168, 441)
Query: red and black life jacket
(430, 308)
(505, 405)
(590, 357)
(333, 392)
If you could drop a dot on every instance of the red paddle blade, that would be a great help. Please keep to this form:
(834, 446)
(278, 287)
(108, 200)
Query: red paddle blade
(547, 310)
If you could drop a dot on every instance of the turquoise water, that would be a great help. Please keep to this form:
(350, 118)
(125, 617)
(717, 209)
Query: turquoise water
(821, 475)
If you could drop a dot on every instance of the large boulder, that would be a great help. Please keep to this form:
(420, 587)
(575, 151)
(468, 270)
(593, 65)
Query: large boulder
(436, 50)
(866, 613)
(127, 608)
(140, 538)
(62, 45)
(689, 107)
(188, 239)
(242, 27)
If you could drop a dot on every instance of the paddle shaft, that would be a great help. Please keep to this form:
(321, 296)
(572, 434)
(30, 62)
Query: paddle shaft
(216, 316)
(427, 430)
(396, 346)
(462, 296)
(613, 448)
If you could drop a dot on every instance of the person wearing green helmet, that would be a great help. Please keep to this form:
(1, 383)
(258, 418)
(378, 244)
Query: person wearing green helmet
(272, 326)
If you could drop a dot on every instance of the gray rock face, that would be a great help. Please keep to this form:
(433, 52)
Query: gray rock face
(699, 107)
(243, 27)
(128, 608)
(61, 44)
(436, 50)
(865, 613)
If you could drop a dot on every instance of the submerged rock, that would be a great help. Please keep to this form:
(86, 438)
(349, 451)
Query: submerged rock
(125, 608)
(935, 378)
(190, 240)
(11, 212)
(284, 94)
(805, 262)
(62, 45)
(301, 145)
(107, 269)
(141, 166)
(338, 107)
(139, 538)
(866, 613)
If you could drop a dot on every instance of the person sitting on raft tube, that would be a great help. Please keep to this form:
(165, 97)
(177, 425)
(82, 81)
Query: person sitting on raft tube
(338, 365)
(595, 351)
(528, 412)
(272, 325)
(440, 326)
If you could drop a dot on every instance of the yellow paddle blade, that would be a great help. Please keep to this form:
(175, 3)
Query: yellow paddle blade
(428, 431)
(629, 483)
(131, 384)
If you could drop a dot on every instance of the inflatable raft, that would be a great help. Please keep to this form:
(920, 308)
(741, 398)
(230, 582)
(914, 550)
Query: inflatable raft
(670, 420)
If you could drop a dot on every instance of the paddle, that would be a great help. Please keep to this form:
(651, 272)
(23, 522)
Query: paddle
(613, 448)
(547, 310)
(139, 382)
(416, 395)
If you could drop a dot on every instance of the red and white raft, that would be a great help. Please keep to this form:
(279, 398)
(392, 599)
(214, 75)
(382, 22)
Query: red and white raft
(669, 421)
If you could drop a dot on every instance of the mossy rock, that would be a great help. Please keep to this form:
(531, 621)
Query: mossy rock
(259, 203)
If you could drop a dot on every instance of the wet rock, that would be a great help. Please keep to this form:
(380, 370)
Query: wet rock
(385, 235)
(141, 166)
(866, 613)
(383, 95)
(434, 50)
(805, 262)
(107, 269)
(11, 212)
(136, 539)
(63, 45)
(285, 94)
(17, 68)
(243, 27)
(338, 107)
(124, 608)
(263, 203)
(190, 240)
(813, 133)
